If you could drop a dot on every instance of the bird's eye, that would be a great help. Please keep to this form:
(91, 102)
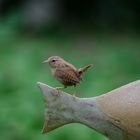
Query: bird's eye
(53, 60)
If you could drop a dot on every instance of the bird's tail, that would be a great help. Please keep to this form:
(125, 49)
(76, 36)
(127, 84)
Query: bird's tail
(82, 70)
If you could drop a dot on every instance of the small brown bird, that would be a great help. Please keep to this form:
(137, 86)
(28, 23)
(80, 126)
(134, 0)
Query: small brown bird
(65, 72)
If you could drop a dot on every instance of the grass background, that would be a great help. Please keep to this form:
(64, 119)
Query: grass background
(116, 60)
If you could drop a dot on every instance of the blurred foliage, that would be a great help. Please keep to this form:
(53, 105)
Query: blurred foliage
(36, 15)
(116, 62)
(115, 56)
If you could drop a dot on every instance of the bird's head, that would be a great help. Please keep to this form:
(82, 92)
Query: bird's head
(54, 61)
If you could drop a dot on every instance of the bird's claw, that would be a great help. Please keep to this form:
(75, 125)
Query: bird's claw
(57, 89)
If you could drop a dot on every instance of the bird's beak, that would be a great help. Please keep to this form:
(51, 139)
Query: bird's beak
(46, 61)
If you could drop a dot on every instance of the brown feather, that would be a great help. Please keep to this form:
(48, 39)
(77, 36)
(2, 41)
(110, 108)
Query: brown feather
(67, 76)
(83, 69)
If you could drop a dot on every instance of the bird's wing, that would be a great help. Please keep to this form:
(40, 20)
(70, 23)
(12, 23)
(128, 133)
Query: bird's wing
(67, 75)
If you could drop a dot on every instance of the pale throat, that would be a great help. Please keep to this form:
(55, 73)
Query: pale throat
(53, 70)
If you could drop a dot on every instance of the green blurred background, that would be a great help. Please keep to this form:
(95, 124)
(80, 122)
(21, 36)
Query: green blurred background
(104, 33)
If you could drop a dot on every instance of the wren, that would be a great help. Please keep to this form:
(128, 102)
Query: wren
(65, 72)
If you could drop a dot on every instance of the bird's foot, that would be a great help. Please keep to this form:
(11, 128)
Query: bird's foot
(74, 94)
(58, 88)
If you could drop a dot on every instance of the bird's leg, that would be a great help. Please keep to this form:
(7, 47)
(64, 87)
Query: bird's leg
(74, 94)
(58, 88)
